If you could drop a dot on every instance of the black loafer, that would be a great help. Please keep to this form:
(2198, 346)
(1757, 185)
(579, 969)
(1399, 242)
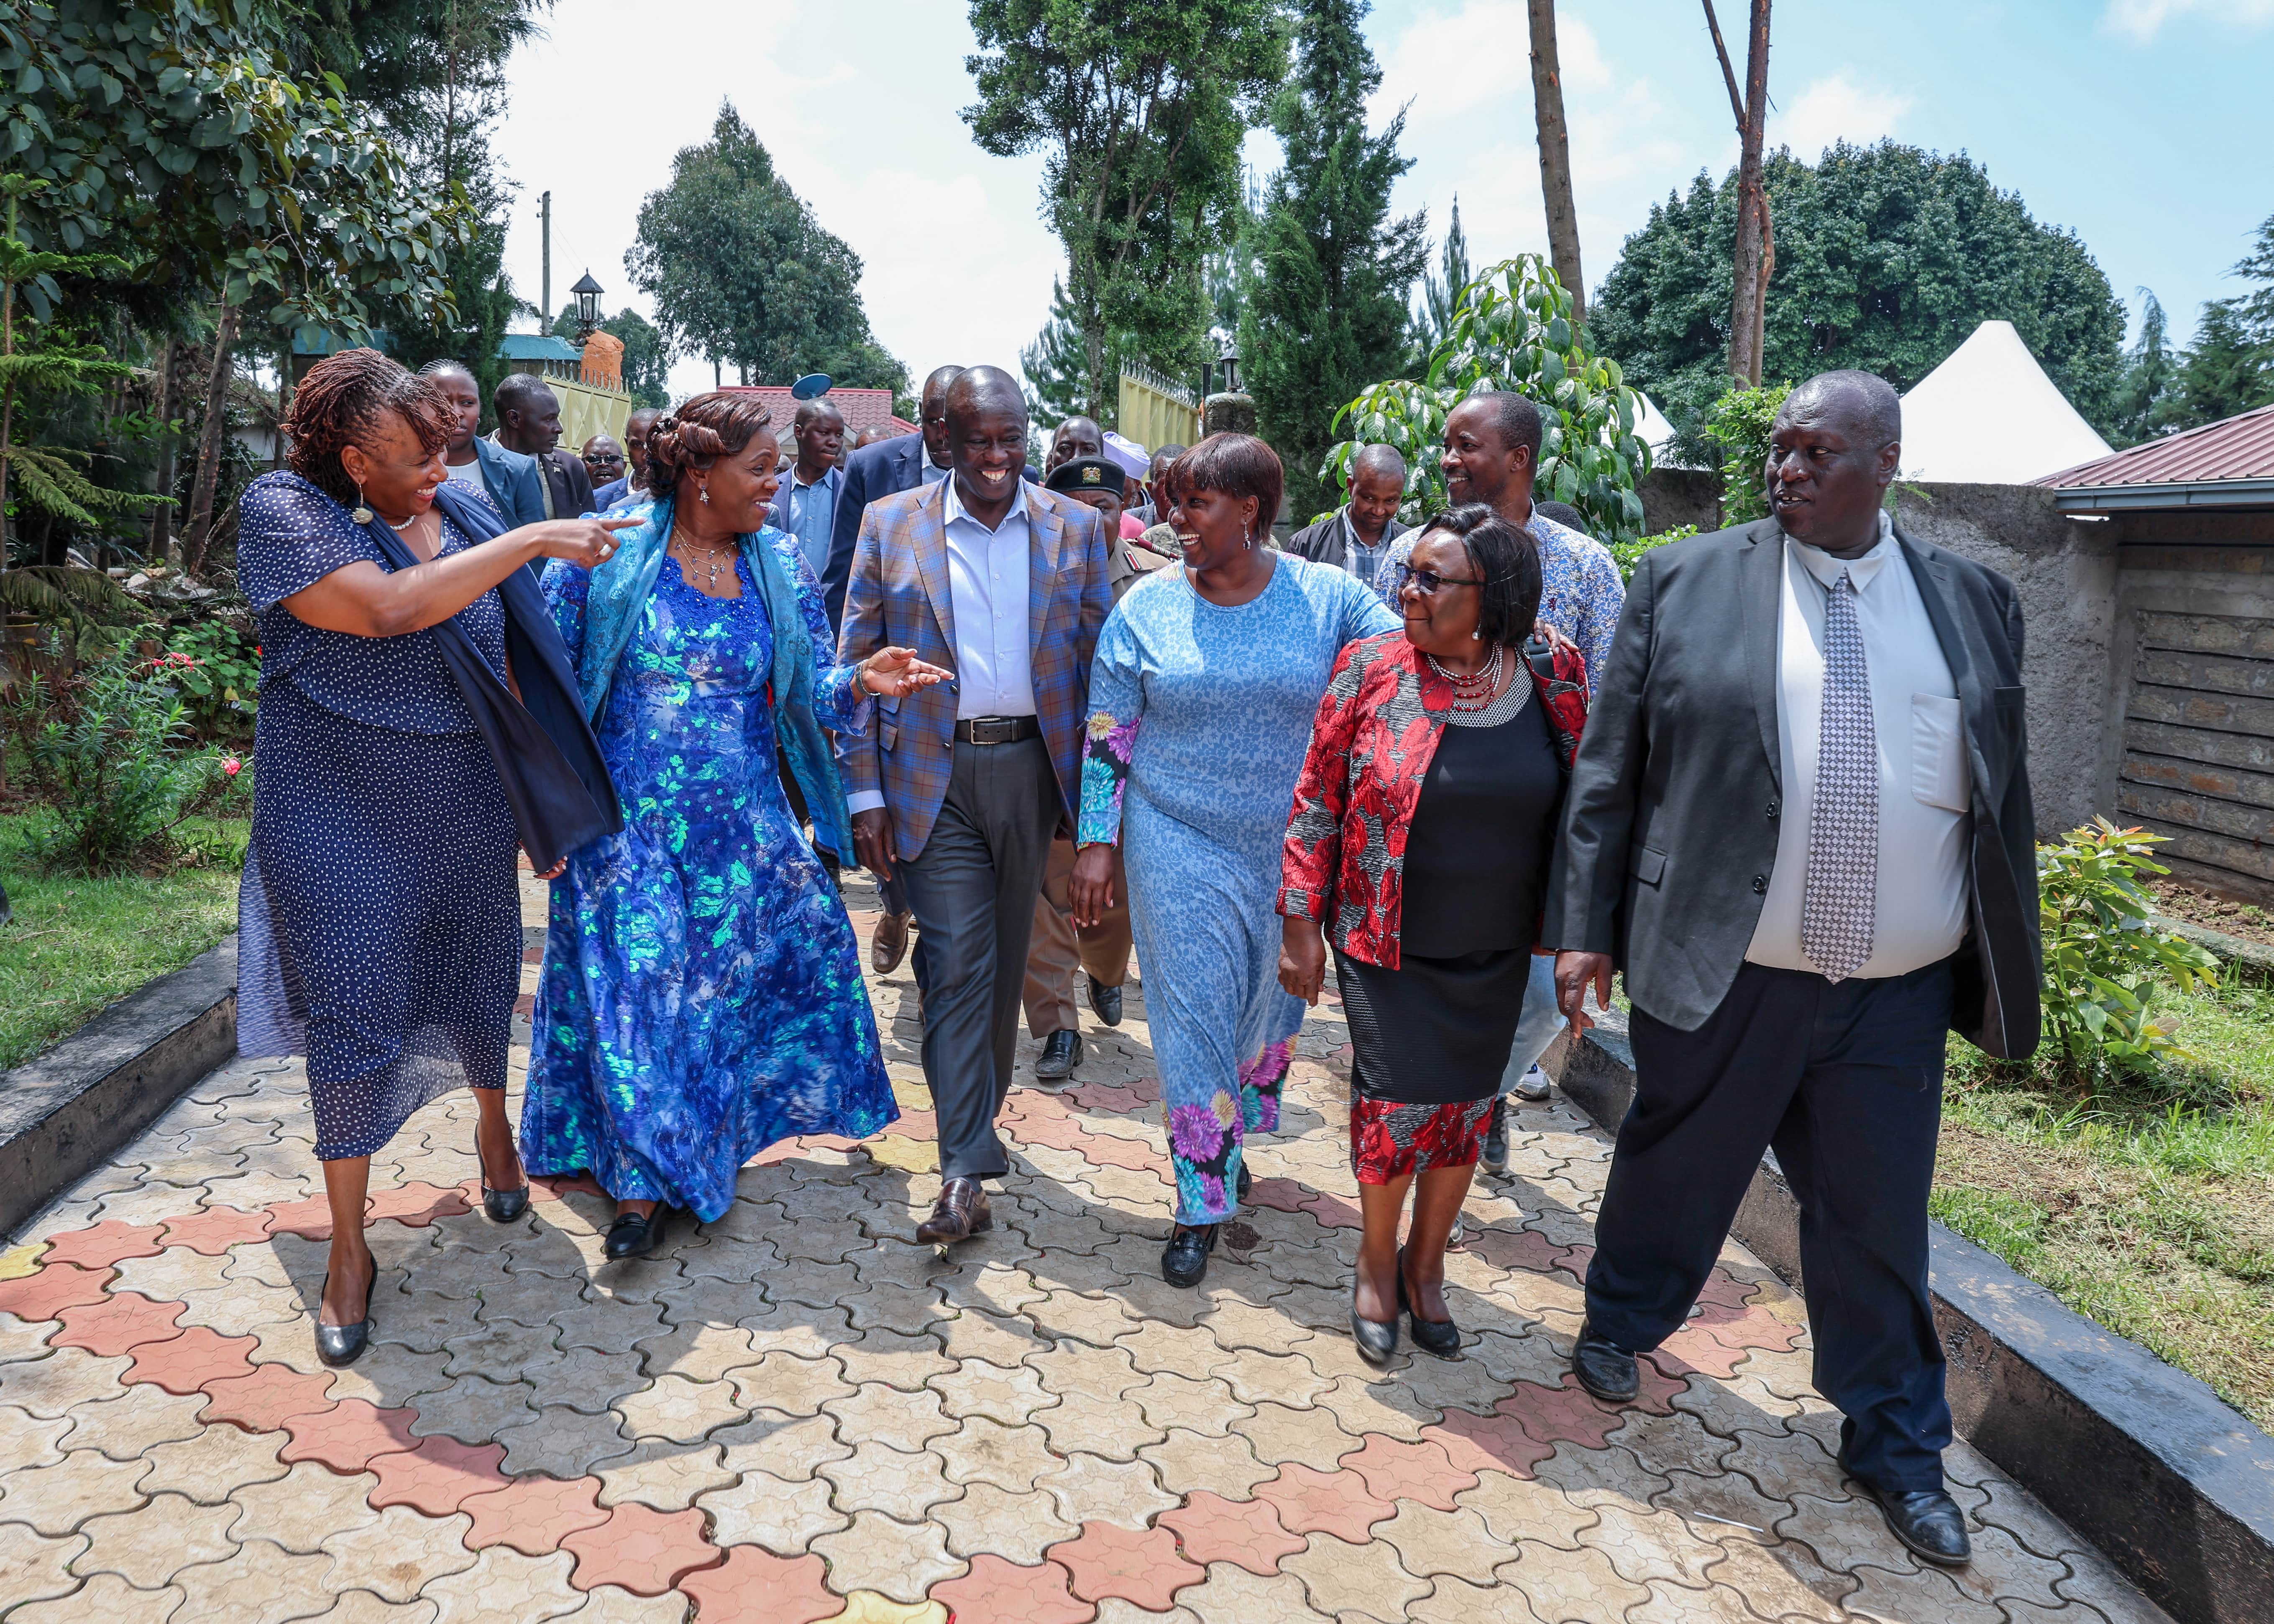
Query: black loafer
(1061, 1053)
(1376, 1339)
(634, 1234)
(343, 1344)
(1927, 1520)
(1105, 1002)
(1184, 1260)
(1441, 1337)
(1604, 1368)
(1494, 1159)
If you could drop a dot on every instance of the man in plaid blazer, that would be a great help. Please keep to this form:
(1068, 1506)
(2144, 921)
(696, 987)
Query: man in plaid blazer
(963, 785)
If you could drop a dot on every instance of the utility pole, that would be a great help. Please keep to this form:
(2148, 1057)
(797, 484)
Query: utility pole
(544, 280)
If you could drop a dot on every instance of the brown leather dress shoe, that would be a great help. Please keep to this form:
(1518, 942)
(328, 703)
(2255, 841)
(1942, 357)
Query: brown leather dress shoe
(959, 1213)
(890, 942)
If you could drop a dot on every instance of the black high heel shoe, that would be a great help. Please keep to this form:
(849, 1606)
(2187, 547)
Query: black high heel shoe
(343, 1344)
(1376, 1339)
(634, 1234)
(1441, 1337)
(1184, 1260)
(503, 1206)
(1246, 1183)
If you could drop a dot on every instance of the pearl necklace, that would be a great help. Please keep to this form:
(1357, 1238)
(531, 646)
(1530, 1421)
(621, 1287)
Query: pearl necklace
(1475, 690)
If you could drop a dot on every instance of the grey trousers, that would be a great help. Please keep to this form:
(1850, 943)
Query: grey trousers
(972, 889)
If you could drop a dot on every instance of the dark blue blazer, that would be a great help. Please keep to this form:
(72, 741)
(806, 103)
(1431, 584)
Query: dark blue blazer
(512, 481)
(885, 468)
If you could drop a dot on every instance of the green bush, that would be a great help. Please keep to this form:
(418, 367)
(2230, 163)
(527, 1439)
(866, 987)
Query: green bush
(117, 756)
(2103, 959)
(1627, 555)
(216, 665)
(1739, 423)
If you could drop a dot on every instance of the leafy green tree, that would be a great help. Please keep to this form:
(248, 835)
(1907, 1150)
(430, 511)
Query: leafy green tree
(1739, 426)
(1887, 258)
(743, 275)
(1141, 106)
(1512, 329)
(647, 362)
(1433, 317)
(1054, 363)
(2148, 375)
(1328, 311)
(2230, 367)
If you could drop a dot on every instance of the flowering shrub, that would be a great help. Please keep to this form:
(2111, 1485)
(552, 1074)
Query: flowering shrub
(216, 667)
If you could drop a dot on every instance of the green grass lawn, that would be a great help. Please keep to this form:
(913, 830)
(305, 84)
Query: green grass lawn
(77, 945)
(2147, 1204)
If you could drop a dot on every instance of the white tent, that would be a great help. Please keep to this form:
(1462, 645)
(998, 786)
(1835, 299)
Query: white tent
(1989, 416)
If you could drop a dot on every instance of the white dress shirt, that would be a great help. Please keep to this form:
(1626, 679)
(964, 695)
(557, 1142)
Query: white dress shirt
(1921, 909)
(987, 583)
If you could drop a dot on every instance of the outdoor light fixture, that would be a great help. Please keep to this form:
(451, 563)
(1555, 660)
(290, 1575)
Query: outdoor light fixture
(588, 305)
(1228, 354)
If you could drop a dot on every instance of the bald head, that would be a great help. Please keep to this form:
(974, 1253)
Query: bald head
(1381, 461)
(1863, 405)
(1377, 487)
(986, 440)
(1076, 436)
(1832, 454)
(984, 391)
(932, 408)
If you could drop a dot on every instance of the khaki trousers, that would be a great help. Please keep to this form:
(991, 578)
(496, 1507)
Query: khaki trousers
(1056, 947)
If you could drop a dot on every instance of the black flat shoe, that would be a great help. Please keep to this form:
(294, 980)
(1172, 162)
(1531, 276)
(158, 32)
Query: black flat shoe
(1604, 1368)
(343, 1344)
(1061, 1053)
(634, 1234)
(1246, 1183)
(1376, 1339)
(1927, 1520)
(1186, 1258)
(1105, 1002)
(1441, 1337)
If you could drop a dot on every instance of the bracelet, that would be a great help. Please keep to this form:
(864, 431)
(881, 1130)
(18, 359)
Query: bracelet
(861, 680)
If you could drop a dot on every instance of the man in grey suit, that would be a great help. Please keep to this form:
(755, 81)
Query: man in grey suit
(1800, 824)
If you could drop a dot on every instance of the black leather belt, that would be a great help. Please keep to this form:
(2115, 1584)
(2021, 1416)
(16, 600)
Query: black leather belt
(997, 729)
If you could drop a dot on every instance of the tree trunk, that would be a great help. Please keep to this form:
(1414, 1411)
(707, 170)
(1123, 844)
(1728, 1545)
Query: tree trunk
(199, 528)
(1555, 156)
(161, 516)
(1749, 265)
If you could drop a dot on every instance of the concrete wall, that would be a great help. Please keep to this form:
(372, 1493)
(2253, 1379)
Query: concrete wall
(2066, 572)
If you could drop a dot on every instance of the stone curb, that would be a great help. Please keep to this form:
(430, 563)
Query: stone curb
(66, 1112)
(2139, 1457)
(2233, 950)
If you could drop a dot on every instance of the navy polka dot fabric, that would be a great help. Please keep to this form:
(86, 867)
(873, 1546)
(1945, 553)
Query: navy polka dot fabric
(378, 922)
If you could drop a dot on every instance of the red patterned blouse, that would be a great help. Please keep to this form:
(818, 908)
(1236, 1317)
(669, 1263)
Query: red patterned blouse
(1371, 746)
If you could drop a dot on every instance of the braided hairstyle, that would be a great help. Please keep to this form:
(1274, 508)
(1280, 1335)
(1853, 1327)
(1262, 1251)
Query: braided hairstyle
(342, 402)
(721, 423)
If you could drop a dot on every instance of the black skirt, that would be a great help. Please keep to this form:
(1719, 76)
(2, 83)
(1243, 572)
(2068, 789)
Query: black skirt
(1434, 1030)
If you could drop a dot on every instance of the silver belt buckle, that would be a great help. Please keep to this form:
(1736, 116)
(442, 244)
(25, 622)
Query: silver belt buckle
(991, 730)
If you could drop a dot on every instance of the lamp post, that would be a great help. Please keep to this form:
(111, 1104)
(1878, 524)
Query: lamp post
(588, 305)
(1228, 357)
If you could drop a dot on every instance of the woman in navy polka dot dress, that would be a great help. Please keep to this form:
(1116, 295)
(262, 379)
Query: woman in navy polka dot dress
(379, 924)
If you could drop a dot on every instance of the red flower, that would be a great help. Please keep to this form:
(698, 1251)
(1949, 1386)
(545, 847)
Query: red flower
(231, 765)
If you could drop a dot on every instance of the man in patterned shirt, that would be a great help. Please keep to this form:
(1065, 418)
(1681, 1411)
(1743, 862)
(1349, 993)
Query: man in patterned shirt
(1492, 450)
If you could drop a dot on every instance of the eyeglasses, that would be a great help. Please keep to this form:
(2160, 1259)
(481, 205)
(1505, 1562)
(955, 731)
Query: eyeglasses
(1426, 582)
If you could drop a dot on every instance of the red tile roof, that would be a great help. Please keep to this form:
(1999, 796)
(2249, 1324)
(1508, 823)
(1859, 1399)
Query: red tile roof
(2239, 448)
(863, 408)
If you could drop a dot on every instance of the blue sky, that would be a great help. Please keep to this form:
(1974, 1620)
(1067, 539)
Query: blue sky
(2145, 125)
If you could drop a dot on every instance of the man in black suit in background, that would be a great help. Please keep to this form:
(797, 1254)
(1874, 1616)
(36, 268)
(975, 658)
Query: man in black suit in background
(1800, 824)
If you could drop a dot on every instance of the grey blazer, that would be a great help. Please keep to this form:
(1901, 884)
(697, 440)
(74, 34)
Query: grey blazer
(1670, 825)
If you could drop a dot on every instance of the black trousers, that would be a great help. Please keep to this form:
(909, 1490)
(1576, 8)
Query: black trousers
(1845, 1080)
(972, 889)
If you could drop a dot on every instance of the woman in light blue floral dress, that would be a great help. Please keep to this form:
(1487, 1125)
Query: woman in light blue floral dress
(701, 997)
(1206, 682)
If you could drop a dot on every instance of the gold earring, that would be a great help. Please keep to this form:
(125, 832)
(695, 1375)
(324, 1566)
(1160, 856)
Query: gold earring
(362, 514)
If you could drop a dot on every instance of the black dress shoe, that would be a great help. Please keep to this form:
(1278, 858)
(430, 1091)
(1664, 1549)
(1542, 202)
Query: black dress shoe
(1494, 1159)
(889, 943)
(635, 1234)
(1061, 1053)
(1376, 1339)
(1604, 1368)
(343, 1344)
(1927, 1520)
(960, 1212)
(1441, 1337)
(1184, 1259)
(1105, 1002)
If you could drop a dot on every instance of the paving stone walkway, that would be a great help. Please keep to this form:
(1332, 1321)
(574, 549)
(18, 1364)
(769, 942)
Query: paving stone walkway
(796, 1414)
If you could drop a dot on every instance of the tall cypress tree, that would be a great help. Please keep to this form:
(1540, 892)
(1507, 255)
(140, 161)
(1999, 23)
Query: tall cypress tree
(1327, 312)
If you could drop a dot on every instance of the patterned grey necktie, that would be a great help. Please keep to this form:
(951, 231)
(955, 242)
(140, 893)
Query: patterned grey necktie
(1837, 912)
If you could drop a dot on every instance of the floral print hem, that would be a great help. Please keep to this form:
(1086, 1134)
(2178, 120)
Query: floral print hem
(1391, 1139)
(1206, 1142)
(1107, 746)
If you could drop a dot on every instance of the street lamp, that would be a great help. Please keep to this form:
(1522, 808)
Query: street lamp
(1228, 354)
(588, 305)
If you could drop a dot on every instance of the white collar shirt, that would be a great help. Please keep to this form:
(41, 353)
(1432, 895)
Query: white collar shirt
(1921, 905)
(987, 573)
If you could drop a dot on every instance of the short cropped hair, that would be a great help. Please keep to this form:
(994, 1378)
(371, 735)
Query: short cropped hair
(1506, 559)
(1239, 465)
(1518, 418)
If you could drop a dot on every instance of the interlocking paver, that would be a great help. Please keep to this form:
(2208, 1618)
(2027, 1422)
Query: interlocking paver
(135, 1423)
(1210, 1528)
(146, 1545)
(561, 1441)
(997, 1591)
(888, 1480)
(397, 1554)
(503, 1583)
(61, 1497)
(1142, 1566)
(1090, 1489)
(665, 1475)
(1569, 1587)
(1337, 1502)
(34, 1565)
(754, 1587)
(759, 1508)
(106, 1597)
(640, 1549)
(877, 1413)
(895, 1559)
(213, 1465)
(1018, 1527)
(261, 1584)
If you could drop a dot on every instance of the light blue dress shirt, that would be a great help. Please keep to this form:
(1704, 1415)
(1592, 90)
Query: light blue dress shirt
(809, 512)
(987, 583)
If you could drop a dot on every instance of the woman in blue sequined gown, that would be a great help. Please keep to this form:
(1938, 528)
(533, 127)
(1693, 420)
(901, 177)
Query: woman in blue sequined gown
(701, 997)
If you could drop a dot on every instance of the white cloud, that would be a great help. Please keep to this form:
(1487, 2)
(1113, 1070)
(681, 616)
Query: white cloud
(1446, 63)
(2142, 19)
(1833, 109)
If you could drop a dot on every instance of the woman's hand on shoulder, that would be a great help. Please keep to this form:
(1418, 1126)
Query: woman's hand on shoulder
(586, 543)
(895, 673)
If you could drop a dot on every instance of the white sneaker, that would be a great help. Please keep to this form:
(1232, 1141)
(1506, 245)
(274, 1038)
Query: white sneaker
(1533, 1085)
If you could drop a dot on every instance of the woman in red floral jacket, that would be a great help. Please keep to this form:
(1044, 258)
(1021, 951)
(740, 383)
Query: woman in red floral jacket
(1421, 836)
